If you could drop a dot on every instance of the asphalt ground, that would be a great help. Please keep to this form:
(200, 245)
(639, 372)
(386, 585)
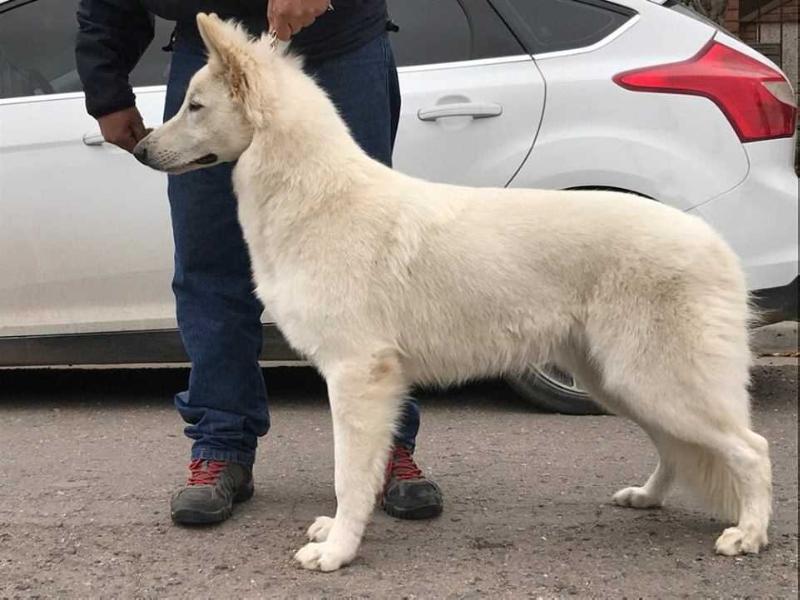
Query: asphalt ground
(88, 461)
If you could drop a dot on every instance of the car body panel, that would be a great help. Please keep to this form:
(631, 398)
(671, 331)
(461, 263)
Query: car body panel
(453, 149)
(767, 201)
(633, 141)
(89, 253)
(88, 233)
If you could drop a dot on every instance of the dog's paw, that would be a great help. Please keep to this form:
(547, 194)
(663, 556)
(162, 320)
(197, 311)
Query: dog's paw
(323, 556)
(319, 529)
(735, 541)
(636, 497)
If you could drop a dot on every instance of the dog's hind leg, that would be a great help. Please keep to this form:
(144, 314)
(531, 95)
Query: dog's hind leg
(365, 398)
(746, 454)
(721, 460)
(678, 364)
(653, 493)
(727, 465)
(696, 411)
(704, 439)
(655, 490)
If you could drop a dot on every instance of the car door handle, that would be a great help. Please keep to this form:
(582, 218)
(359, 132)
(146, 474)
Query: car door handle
(93, 139)
(476, 110)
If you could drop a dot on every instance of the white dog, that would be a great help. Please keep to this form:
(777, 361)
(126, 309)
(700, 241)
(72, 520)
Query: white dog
(384, 281)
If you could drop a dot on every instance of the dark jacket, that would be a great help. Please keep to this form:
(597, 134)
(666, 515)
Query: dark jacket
(113, 35)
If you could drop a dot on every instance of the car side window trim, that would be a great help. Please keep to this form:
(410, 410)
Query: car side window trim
(507, 12)
(591, 48)
(461, 64)
(7, 5)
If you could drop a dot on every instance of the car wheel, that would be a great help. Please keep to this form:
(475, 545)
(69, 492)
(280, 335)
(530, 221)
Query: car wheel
(553, 390)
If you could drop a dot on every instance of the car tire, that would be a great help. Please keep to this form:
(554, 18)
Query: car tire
(552, 390)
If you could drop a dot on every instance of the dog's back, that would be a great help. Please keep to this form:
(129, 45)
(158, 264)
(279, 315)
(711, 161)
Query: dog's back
(520, 272)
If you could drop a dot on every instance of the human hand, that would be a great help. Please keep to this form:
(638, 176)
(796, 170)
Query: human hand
(287, 17)
(123, 128)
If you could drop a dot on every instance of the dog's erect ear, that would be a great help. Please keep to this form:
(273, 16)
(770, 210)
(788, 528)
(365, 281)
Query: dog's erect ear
(230, 55)
(211, 31)
(227, 50)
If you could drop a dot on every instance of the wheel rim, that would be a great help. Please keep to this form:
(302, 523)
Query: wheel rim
(560, 380)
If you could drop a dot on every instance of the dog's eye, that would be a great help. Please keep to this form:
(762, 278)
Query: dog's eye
(193, 106)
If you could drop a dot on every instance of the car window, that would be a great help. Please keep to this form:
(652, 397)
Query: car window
(553, 25)
(441, 31)
(153, 67)
(37, 50)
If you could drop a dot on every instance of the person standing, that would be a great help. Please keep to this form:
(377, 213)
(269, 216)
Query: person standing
(347, 50)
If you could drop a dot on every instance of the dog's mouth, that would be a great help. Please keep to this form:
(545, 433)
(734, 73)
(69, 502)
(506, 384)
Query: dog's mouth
(206, 160)
(203, 161)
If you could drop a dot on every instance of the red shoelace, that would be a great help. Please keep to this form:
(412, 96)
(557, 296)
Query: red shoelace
(401, 465)
(205, 472)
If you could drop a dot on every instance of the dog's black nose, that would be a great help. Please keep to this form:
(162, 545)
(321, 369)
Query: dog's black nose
(140, 152)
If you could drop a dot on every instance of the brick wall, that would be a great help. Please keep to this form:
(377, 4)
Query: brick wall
(732, 17)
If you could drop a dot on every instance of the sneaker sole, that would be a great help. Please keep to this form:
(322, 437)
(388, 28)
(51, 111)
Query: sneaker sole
(188, 516)
(196, 517)
(414, 514)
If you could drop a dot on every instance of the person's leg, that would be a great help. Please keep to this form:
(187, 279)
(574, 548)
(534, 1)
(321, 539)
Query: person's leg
(408, 427)
(363, 85)
(219, 317)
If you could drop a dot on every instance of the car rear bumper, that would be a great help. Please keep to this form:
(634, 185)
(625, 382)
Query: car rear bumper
(758, 218)
(777, 304)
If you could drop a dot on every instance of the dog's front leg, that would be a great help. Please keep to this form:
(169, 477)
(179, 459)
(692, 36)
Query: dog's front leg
(365, 400)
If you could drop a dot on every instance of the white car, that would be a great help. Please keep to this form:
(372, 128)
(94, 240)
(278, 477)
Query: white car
(630, 95)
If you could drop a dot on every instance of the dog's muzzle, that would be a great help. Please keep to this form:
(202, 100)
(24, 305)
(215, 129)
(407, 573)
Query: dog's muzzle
(140, 152)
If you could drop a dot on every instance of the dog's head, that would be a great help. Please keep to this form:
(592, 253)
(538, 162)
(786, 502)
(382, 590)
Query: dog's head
(226, 101)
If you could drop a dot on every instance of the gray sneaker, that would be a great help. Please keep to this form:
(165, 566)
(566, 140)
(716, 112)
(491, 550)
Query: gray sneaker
(212, 489)
(407, 493)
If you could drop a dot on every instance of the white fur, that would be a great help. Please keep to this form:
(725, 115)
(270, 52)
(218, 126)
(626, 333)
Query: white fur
(385, 281)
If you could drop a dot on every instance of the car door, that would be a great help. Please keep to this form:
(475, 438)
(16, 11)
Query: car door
(84, 230)
(472, 99)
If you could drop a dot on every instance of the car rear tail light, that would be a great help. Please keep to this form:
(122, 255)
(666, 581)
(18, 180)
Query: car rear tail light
(756, 99)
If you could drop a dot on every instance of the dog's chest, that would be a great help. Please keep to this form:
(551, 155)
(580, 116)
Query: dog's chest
(295, 276)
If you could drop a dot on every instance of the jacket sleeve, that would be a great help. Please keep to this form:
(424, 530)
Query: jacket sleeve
(112, 36)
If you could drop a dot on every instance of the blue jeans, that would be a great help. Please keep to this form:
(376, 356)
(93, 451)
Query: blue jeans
(219, 316)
